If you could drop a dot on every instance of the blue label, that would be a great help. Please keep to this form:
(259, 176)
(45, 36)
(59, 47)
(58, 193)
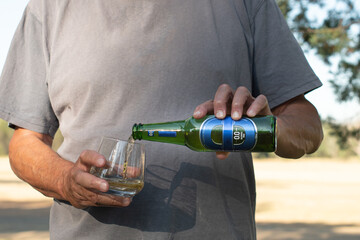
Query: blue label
(167, 134)
(228, 135)
(151, 133)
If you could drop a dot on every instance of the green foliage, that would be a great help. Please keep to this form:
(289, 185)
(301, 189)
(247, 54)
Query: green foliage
(333, 31)
(334, 147)
(284, 7)
(5, 136)
(343, 133)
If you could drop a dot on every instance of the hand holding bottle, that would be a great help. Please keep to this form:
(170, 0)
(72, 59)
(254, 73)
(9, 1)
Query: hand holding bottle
(299, 129)
(236, 103)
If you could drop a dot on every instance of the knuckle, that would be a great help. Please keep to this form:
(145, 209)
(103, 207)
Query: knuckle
(94, 198)
(242, 89)
(77, 205)
(83, 154)
(225, 86)
(218, 102)
(77, 175)
(219, 105)
(73, 174)
(243, 92)
(236, 104)
(114, 202)
(93, 182)
(263, 98)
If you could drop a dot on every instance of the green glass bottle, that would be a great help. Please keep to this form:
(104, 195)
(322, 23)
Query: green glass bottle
(256, 134)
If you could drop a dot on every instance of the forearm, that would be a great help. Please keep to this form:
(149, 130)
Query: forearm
(33, 160)
(299, 128)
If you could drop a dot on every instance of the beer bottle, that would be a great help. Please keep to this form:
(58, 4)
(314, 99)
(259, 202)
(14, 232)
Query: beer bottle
(256, 134)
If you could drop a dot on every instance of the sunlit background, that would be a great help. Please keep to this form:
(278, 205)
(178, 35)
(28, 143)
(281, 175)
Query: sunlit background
(303, 199)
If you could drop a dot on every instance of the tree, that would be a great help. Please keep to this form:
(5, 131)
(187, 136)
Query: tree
(331, 28)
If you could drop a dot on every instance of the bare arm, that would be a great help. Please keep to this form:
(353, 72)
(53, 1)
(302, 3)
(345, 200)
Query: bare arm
(33, 160)
(299, 126)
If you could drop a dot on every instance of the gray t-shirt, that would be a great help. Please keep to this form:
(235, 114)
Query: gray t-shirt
(94, 68)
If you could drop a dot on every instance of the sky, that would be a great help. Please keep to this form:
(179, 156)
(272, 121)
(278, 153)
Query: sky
(323, 98)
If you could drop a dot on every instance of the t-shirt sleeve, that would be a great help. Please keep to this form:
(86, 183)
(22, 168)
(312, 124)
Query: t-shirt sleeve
(24, 99)
(281, 70)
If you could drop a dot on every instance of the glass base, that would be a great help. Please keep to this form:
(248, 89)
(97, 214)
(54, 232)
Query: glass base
(128, 194)
(124, 187)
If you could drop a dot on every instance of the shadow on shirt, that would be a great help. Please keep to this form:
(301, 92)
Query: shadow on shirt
(168, 200)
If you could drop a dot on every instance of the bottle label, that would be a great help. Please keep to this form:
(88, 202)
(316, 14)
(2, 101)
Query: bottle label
(162, 133)
(228, 135)
(167, 134)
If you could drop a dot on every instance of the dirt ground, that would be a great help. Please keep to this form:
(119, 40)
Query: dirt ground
(308, 199)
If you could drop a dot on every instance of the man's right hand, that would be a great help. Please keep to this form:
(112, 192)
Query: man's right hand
(33, 161)
(83, 189)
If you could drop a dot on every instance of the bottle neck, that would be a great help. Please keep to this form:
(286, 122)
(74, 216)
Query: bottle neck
(168, 132)
(136, 131)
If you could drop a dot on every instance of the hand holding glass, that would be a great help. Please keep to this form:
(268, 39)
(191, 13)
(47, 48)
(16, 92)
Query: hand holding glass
(124, 169)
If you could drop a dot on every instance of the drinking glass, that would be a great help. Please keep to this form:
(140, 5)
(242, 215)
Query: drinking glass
(124, 169)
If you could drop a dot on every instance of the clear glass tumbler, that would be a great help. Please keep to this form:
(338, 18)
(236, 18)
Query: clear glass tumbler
(124, 169)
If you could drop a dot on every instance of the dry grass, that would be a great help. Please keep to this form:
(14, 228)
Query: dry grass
(308, 199)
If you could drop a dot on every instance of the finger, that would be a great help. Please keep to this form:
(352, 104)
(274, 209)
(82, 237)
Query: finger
(223, 96)
(242, 98)
(260, 106)
(86, 198)
(203, 109)
(112, 200)
(222, 155)
(89, 181)
(89, 158)
(129, 171)
(133, 172)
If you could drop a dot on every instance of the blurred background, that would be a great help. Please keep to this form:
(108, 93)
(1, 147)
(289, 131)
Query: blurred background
(316, 197)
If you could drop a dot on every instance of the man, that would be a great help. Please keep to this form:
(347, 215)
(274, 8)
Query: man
(93, 68)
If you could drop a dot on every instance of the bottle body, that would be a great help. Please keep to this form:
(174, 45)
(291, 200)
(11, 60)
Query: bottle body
(211, 134)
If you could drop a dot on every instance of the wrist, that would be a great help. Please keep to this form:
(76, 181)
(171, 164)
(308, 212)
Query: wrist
(62, 185)
(287, 142)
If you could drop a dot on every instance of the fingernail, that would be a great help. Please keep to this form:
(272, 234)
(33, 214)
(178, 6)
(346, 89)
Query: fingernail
(100, 162)
(220, 114)
(236, 115)
(103, 187)
(197, 113)
(251, 113)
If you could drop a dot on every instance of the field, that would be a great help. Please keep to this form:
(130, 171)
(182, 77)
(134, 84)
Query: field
(310, 199)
